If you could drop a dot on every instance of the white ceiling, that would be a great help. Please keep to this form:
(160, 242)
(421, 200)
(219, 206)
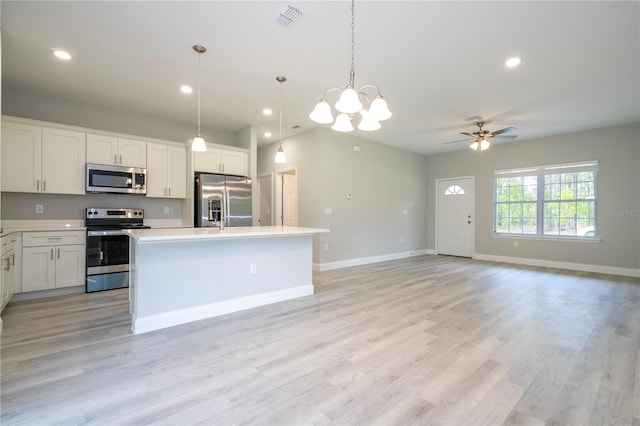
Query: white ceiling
(437, 63)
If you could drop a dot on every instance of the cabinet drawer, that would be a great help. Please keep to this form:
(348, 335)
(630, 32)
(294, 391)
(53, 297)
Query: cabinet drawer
(52, 238)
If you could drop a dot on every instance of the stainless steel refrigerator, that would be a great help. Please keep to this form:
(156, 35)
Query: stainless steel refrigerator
(220, 197)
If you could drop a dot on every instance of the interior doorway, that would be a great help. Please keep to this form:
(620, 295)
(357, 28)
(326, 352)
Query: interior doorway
(265, 193)
(287, 197)
(455, 216)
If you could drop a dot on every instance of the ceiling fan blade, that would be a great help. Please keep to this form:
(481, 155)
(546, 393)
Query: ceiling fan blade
(505, 130)
(504, 137)
(460, 140)
(468, 134)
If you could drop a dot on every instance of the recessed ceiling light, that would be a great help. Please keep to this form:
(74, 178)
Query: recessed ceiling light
(267, 134)
(267, 111)
(513, 62)
(61, 54)
(186, 89)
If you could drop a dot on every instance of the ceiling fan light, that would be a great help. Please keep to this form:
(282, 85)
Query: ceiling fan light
(379, 109)
(342, 124)
(474, 146)
(322, 113)
(280, 157)
(368, 122)
(198, 144)
(349, 102)
(484, 145)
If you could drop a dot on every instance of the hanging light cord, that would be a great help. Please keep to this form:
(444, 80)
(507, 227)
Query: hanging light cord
(352, 75)
(199, 55)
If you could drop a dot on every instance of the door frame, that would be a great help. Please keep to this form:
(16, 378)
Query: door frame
(271, 176)
(473, 211)
(278, 198)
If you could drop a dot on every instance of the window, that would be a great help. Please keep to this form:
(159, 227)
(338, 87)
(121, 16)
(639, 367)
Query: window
(558, 201)
(454, 190)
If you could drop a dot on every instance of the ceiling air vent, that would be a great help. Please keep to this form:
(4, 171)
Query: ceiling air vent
(288, 16)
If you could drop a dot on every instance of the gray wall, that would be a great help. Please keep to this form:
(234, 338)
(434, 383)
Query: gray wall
(383, 181)
(17, 206)
(618, 151)
(23, 104)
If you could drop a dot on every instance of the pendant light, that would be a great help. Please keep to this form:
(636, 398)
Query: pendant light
(280, 157)
(349, 104)
(198, 144)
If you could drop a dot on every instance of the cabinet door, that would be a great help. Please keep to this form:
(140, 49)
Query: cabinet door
(8, 265)
(234, 162)
(21, 154)
(102, 149)
(70, 265)
(63, 161)
(38, 268)
(208, 161)
(157, 170)
(132, 153)
(177, 171)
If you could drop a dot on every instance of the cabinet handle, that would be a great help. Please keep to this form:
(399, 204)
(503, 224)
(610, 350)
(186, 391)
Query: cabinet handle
(13, 259)
(165, 191)
(169, 192)
(55, 238)
(51, 254)
(115, 159)
(38, 185)
(8, 267)
(121, 159)
(58, 254)
(44, 185)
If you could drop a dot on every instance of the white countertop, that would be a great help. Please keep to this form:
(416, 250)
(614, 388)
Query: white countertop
(143, 236)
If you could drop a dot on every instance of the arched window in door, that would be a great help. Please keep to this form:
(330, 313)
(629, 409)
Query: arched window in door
(454, 190)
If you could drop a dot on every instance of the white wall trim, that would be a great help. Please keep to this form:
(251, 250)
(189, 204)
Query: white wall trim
(367, 260)
(170, 319)
(584, 267)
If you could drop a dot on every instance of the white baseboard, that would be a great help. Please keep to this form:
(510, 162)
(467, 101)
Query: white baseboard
(182, 316)
(367, 260)
(584, 267)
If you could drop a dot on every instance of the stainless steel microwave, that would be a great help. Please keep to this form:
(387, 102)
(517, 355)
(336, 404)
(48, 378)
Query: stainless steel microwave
(116, 179)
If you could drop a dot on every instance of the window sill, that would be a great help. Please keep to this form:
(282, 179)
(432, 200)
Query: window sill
(547, 238)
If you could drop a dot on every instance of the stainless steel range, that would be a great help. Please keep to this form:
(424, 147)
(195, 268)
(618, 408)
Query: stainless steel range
(108, 247)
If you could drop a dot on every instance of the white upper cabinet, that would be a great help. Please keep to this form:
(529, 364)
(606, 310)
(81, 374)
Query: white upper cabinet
(222, 160)
(21, 157)
(106, 149)
(42, 159)
(166, 171)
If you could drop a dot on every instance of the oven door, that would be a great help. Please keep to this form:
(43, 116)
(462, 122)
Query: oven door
(107, 260)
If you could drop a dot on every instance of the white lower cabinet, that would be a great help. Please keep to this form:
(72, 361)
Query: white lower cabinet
(8, 262)
(53, 260)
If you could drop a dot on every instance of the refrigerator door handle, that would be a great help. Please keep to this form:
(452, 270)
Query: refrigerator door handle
(227, 219)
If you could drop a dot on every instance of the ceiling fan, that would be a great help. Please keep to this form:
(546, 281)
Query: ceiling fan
(482, 138)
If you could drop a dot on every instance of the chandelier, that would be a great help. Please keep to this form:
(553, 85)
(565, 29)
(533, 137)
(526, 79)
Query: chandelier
(349, 104)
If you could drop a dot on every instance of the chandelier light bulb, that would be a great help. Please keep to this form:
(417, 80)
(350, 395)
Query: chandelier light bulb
(368, 121)
(349, 102)
(380, 109)
(343, 123)
(322, 113)
(474, 146)
(484, 145)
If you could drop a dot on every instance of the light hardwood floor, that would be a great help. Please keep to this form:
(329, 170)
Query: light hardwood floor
(427, 340)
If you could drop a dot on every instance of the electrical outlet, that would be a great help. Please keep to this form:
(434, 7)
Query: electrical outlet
(39, 208)
(166, 210)
(253, 268)
(515, 243)
(326, 247)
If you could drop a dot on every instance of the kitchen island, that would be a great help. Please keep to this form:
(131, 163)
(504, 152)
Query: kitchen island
(188, 274)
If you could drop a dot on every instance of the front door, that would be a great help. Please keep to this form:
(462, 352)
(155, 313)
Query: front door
(455, 222)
